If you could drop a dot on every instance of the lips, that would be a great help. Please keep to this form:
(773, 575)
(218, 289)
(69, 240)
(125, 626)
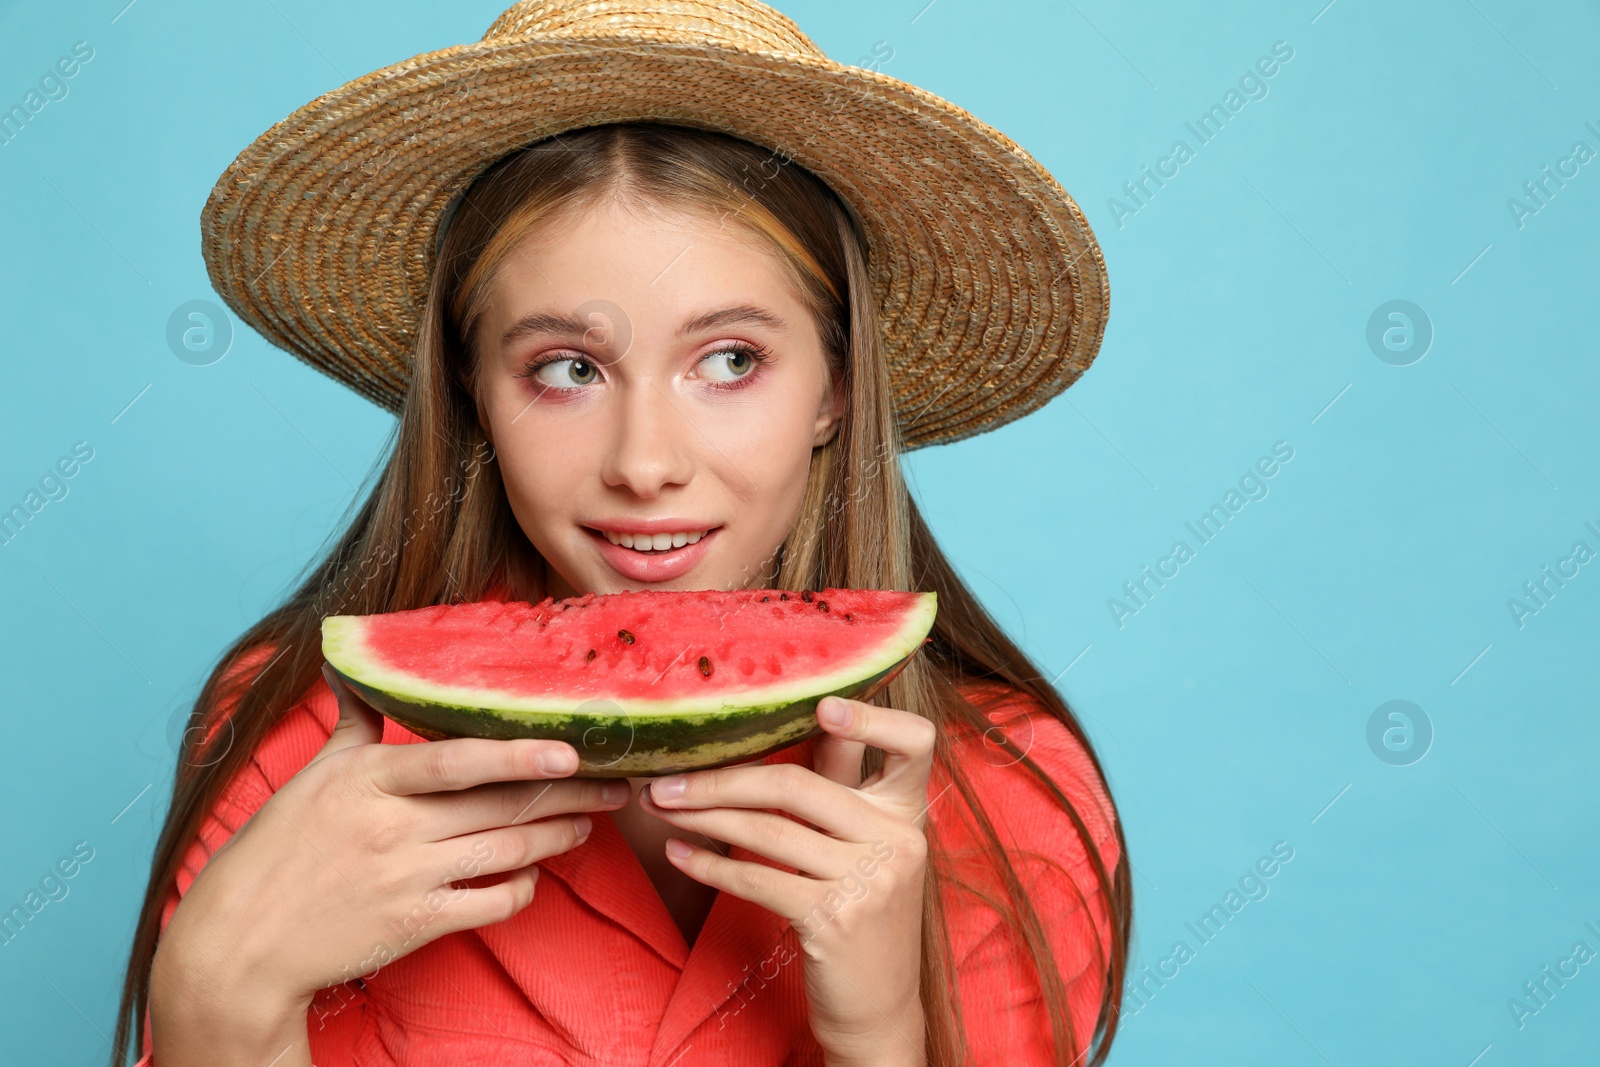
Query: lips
(652, 566)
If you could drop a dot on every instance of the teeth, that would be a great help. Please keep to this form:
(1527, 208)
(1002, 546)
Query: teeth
(655, 542)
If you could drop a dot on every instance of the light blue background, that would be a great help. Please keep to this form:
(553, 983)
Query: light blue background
(1231, 711)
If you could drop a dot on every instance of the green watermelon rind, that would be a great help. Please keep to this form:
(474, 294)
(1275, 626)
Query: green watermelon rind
(615, 744)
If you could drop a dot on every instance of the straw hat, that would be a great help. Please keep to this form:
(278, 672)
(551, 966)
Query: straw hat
(991, 286)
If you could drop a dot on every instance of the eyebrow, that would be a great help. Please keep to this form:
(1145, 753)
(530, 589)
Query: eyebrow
(737, 315)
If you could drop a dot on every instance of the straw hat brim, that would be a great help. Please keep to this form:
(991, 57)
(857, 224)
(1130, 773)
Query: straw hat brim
(990, 283)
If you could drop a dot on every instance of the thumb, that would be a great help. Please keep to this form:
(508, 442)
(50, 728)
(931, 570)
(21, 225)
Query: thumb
(359, 723)
(838, 758)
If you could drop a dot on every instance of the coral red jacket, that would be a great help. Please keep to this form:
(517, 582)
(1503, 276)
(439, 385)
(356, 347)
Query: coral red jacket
(595, 970)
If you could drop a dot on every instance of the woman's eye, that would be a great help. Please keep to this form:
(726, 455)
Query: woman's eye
(562, 373)
(740, 361)
(727, 365)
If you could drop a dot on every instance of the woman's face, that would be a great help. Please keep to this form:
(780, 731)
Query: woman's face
(650, 379)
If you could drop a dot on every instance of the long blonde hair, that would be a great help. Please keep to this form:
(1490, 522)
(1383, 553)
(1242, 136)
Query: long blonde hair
(436, 528)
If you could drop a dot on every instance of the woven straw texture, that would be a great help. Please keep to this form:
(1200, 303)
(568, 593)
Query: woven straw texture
(990, 283)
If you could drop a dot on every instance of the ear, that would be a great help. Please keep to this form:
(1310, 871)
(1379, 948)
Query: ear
(830, 413)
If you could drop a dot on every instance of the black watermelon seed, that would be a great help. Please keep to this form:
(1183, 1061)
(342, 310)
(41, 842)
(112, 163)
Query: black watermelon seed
(626, 636)
(847, 615)
(589, 657)
(783, 596)
(705, 666)
(823, 605)
(805, 594)
(765, 599)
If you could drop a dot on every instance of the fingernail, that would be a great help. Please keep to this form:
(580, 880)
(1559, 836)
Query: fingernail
(614, 792)
(583, 824)
(835, 712)
(558, 761)
(677, 849)
(667, 788)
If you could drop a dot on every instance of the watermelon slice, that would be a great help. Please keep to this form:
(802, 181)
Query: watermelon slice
(640, 683)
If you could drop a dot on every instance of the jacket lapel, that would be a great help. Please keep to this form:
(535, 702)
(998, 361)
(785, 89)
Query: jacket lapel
(737, 953)
(605, 874)
(592, 907)
(743, 955)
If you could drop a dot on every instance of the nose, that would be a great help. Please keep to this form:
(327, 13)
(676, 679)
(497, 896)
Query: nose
(652, 440)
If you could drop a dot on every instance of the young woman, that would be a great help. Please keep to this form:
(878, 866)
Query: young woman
(632, 367)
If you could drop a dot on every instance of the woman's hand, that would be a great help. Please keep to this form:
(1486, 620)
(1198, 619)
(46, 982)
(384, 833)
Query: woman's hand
(353, 864)
(857, 901)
